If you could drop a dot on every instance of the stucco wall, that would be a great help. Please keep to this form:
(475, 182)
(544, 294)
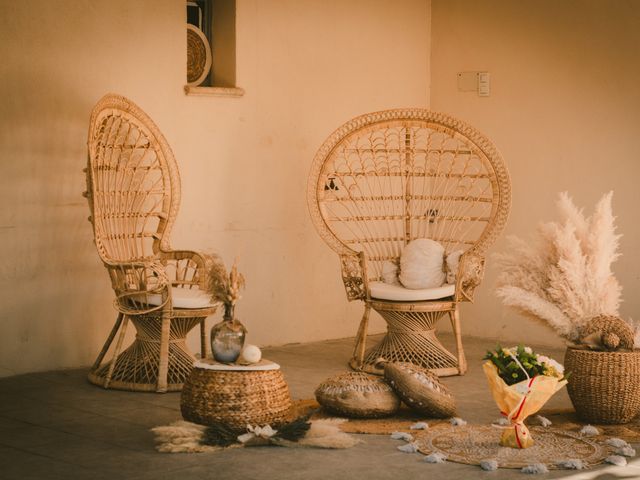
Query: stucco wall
(564, 111)
(306, 67)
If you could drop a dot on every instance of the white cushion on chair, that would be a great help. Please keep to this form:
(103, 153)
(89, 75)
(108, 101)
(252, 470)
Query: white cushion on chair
(421, 264)
(184, 298)
(384, 291)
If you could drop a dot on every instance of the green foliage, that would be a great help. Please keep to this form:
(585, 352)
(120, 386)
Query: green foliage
(508, 368)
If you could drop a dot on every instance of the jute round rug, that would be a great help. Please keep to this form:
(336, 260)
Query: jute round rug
(562, 419)
(470, 444)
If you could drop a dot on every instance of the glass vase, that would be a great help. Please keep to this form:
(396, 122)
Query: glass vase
(227, 337)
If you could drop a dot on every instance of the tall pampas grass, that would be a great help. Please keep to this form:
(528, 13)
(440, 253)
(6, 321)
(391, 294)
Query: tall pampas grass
(563, 277)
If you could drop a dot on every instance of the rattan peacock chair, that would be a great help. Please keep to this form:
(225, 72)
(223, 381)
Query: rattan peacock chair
(386, 178)
(133, 188)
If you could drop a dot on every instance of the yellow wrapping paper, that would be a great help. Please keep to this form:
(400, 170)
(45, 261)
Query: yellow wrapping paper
(518, 401)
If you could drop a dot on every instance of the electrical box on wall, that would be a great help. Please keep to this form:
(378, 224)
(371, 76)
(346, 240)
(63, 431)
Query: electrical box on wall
(479, 82)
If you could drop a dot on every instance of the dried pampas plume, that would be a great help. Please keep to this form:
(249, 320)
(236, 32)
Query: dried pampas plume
(563, 278)
(224, 286)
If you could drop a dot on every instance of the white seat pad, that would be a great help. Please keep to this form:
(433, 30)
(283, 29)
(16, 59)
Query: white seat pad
(385, 291)
(184, 298)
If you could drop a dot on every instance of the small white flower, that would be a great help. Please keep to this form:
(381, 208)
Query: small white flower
(528, 350)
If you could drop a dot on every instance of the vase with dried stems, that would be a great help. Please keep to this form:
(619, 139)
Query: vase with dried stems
(563, 278)
(227, 337)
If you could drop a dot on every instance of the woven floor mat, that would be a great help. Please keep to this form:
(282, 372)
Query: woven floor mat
(471, 444)
(563, 419)
(567, 420)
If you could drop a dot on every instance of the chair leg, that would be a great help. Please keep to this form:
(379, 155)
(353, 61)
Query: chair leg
(203, 339)
(361, 340)
(107, 343)
(455, 324)
(116, 351)
(163, 367)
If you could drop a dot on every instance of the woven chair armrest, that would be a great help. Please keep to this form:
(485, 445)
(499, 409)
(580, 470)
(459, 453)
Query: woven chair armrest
(136, 282)
(187, 267)
(138, 302)
(470, 275)
(354, 275)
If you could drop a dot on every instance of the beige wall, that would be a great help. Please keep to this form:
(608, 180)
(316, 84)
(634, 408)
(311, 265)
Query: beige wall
(564, 110)
(306, 66)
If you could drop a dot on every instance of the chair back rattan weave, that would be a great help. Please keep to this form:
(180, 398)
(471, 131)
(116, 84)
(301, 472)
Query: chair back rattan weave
(133, 182)
(386, 178)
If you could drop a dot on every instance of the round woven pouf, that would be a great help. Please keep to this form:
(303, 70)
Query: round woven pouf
(604, 387)
(235, 396)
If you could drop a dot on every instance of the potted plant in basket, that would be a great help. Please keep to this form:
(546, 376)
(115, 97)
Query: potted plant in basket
(227, 337)
(564, 280)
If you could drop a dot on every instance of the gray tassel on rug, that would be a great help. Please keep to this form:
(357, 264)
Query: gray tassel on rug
(489, 465)
(626, 451)
(589, 431)
(436, 457)
(535, 469)
(408, 448)
(572, 464)
(616, 442)
(419, 426)
(544, 421)
(616, 460)
(401, 436)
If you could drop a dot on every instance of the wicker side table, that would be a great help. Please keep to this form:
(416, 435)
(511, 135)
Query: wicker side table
(235, 395)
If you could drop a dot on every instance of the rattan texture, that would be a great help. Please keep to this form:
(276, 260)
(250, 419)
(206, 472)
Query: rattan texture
(615, 333)
(471, 444)
(420, 389)
(133, 189)
(236, 398)
(198, 56)
(386, 178)
(604, 387)
(357, 395)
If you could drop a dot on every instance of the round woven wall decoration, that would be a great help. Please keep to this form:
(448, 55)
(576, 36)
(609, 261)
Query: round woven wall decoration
(471, 444)
(198, 56)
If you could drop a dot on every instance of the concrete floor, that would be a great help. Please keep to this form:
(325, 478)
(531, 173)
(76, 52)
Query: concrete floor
(55, 425)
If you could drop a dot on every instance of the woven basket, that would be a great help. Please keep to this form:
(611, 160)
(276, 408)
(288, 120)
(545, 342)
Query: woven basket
(358, 395)
(613, 332)
(604, 387)
(235, 398)
(420, 389)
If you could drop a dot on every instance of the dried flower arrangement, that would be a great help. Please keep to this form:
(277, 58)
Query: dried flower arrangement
(225, 286)
(228, 336)
(564, 279)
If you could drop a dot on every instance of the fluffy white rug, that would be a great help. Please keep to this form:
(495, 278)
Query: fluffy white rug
(185, 437)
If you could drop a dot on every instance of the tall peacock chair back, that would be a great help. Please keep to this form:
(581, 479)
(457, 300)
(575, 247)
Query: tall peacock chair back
(386, 178)
(134, 182)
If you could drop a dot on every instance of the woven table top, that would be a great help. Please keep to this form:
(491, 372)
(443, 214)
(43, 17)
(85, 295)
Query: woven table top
(210, 364)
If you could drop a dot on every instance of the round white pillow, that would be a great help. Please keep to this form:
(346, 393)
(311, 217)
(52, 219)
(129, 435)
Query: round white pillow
(421, 264)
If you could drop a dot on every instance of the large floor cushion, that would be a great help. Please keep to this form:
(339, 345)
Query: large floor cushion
(385, 291)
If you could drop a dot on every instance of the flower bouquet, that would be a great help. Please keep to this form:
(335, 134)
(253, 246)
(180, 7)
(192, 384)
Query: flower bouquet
(521, 382)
